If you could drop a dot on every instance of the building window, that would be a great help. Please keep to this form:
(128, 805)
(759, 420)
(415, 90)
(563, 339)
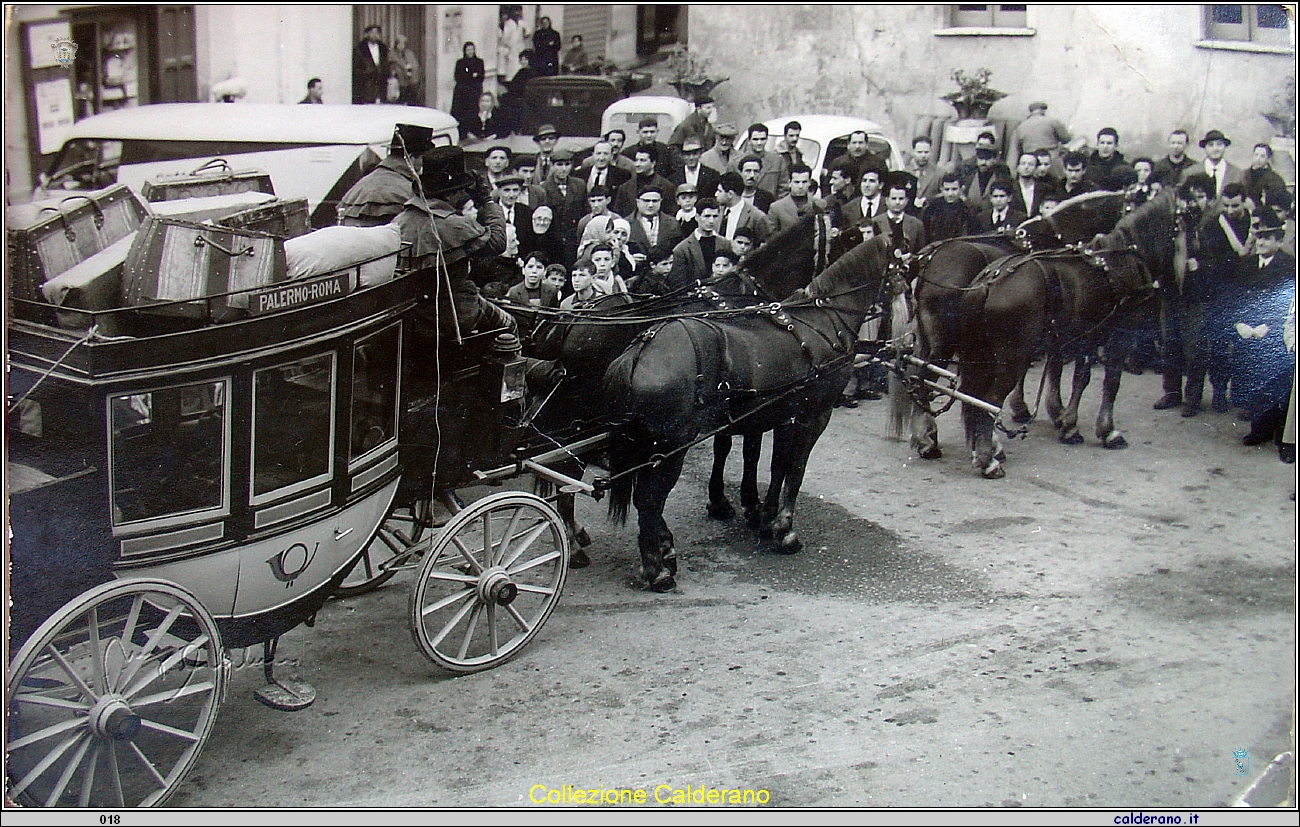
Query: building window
(986, 19)
(1263, 23)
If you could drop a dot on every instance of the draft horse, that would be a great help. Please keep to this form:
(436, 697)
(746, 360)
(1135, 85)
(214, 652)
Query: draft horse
(586, 342)
(945, 271)
(777, 368)
(1072, 301)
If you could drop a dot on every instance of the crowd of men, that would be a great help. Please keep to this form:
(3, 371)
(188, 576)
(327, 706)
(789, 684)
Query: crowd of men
(655, 216)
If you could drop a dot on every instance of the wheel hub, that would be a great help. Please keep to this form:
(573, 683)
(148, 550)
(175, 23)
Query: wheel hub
(112, 718)
(495, 586)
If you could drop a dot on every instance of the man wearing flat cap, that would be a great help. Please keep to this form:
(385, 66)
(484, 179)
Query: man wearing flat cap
(566, 195)
(697, 125)
(369, 67)
(1038, 131)
(377, 198)
(724, 154)
(1222, 173)
(691, 170)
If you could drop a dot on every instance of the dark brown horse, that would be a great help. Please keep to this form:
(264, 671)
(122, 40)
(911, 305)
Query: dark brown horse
(585, 342)
(1070, 302)
(945, 271)
(774, 368)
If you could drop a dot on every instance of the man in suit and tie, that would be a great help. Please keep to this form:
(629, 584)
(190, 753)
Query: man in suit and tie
(1001, 216)
(1262, 366)
(651, 227)
(1215, 165)
(691, 171)
(519, 228)
(693, 256)
(602, 171)
(736, 213)
(547, 138)
(787, 211)
(566, 195)
(863, 209)
(1027, 191)
(906, 233)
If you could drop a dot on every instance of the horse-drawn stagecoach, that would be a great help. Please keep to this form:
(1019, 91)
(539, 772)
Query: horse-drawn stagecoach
(202, 452)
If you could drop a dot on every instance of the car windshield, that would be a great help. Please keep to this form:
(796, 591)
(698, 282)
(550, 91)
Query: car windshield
(86, 164)
(876, 145)
(808, 148)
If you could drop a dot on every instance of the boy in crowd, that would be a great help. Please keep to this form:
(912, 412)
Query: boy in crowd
(533, 290)
(584, 288)
(558, 278)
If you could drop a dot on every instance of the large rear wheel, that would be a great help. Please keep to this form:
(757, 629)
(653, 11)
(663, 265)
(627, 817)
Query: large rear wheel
(111, 700)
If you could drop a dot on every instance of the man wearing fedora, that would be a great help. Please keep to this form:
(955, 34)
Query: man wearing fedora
(566, 195)
(1221, 173)
(724, 154)
(377, 198)
(1262, 365)
(691, 170)
(369, 67)
(547, 137)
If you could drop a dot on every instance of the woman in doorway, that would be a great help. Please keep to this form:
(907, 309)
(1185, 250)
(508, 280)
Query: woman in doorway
(469, 86)
(407, 68)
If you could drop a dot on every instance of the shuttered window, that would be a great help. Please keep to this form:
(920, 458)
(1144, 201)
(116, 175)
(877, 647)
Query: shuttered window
(987, 16)
(1263, 23)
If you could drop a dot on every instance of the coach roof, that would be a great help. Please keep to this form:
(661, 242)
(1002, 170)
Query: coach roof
(258, 123)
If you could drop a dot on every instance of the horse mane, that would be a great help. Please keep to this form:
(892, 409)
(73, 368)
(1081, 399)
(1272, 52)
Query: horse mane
(770, 263)
(870, 254)
(1145, 226)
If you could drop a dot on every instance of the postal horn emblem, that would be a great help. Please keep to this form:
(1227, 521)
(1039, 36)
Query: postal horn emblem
(293, 561)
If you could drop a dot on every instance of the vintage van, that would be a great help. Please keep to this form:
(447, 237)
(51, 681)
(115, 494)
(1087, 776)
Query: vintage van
(312, 152)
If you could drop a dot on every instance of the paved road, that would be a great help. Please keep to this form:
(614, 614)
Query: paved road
(1098, 629)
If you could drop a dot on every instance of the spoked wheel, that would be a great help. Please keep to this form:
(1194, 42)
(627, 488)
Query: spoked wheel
(402, 529)
(110, 701)
(491, 579)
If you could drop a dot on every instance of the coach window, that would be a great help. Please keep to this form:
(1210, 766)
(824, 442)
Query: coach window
(995, 19)
(1247, 27)
(293, 427)
(376, 368)
(169, 454)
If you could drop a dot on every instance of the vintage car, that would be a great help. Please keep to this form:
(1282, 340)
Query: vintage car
(625, 114)
(312, 152)
(826, 137)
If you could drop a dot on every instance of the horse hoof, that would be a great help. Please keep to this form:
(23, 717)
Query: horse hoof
(663, 583)
(790, 544)
(994, 472)
(753, 518)
(1075, 438)
(1115, 441)
(721, 510)
(579, 560)
(933, 452)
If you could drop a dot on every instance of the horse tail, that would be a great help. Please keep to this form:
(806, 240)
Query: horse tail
(624, 449)
(902, 333)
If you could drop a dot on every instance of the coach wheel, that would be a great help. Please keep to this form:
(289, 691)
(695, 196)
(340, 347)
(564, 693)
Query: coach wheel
(491, 579)
(111, 700)
(400, 531)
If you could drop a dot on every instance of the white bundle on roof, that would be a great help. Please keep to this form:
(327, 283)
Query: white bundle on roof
(332, 249)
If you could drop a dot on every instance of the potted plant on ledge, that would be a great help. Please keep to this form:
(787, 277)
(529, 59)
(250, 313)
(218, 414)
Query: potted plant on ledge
(690, 74)
(972, 100)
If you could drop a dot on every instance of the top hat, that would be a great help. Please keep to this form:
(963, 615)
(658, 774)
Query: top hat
(412, 139)
(1214, 135)
(444, 171)
(546, 129)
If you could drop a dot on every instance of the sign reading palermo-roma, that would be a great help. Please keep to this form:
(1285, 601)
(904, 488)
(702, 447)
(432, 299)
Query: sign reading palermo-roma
(298, 293)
